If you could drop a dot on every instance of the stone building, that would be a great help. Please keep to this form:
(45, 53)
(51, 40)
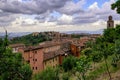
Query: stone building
(15, 47)
(45, 55)
(110, 22)
(33, 56)
(35, 33)
(75, 50)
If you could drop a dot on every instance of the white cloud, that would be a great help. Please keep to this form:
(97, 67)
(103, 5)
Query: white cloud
(70, 18)
(71, 8)
(24, 21)
(52, 26)
(65, 18)
(94, 6)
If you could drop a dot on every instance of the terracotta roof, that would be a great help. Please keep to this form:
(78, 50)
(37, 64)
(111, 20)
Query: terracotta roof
(16, 45)
(33, 48)
(50, 55)
(79, 45)
(53, 54)
(60, 52)
(44, 45)
(49, 44)
(66, 49)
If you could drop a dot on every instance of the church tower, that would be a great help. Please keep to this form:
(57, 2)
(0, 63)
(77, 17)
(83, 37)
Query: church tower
(110, 22)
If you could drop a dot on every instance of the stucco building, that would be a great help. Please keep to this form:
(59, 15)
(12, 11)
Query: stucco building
(16, 47)
(45, 55)
(33, 56)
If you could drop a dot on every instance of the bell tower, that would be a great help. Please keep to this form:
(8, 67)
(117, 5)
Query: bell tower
(110, 22)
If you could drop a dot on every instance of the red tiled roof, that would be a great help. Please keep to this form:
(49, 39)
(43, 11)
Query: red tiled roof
(53, 54)
(50, 55)
(16, 45)
(49, 44)
(33, 48)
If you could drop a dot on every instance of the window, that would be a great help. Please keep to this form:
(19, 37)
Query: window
(35, 59)
(56, 65)
(53, 59)
(28, 61)
(33, 68)
(35, 51)
(36, 68)
(56, 58)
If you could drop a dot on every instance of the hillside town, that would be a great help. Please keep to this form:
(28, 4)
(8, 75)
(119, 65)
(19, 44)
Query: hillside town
(59, 40)
(52, 53)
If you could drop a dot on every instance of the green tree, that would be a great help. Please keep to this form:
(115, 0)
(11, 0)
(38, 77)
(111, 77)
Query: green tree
(89, 44)
(109, 35)
(11, 64)
(48, 74)
(96, 57)
(116, 6)
(106, 50)
(83, 65)
(117, 46)
(87, 52)
(65, 76)
(30, 39)
(26, 72)
(116, 57)
(117, 32)
(69, 63)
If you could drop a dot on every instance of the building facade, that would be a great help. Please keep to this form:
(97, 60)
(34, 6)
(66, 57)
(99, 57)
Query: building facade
(45, 55)
(16, 47)
(33, 56)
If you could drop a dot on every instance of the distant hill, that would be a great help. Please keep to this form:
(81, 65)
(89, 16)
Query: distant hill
(13, 34)
(18, 34)
(85, 32)
(30, 39)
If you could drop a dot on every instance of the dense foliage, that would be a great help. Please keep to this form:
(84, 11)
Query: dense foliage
(30, 39)
(12, 66)
(105, 46)
(48, 74)
(69, 63)
(83, 65)
(116, 6)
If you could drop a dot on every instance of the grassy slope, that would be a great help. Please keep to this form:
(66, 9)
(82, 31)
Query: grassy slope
(100, 73)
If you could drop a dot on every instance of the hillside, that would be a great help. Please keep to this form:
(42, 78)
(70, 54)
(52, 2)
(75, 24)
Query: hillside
(30, 39)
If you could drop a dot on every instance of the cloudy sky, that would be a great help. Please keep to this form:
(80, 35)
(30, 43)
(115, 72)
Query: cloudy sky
(55, 15)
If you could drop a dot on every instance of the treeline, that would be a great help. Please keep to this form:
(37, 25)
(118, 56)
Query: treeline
(30, 39)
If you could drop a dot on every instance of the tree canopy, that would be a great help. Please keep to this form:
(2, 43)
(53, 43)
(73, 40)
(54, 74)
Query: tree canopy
(30, 39)
(12, 66)
(48, 74)
(116, 6)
